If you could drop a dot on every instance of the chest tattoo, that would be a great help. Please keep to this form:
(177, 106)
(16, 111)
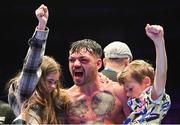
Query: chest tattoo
(80, 108)
(102, 103)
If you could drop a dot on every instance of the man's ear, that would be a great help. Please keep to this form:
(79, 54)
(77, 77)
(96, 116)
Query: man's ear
(99, 63)
(126, 62)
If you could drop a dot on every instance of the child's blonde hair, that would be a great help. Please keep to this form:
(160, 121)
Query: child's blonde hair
(137, 69)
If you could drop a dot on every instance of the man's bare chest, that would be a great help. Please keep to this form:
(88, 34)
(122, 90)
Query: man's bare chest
(96, 107)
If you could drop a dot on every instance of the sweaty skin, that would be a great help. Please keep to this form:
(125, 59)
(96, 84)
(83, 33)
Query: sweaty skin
(95, 98)
(102, 106)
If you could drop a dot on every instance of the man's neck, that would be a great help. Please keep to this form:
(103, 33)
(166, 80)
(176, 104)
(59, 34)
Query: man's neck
(116, 68)
(90, 87)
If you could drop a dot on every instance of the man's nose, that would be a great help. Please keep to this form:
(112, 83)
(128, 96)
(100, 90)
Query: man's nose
(77, 63)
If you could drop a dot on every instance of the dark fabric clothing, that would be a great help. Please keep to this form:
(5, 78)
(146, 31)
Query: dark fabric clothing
(111, 74)
(6, 113)
(19, 122)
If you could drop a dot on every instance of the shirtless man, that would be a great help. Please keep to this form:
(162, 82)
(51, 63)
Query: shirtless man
(95, 98)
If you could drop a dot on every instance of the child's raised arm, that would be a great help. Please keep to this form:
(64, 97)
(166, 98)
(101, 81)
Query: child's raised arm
(156, 34)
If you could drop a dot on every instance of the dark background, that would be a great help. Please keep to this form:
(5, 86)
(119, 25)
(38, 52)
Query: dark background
(103, 21)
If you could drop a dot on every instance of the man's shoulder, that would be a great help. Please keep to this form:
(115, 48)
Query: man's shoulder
(114, 85)
(72, 88)
(116, 88)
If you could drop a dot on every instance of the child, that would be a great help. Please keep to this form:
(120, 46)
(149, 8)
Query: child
(146, 88)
